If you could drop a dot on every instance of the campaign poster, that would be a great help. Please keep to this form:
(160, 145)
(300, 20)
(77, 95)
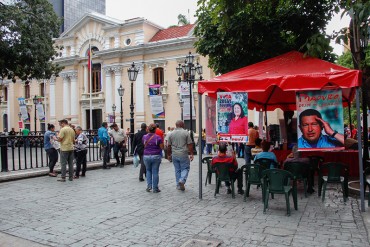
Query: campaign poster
(232, 116)
(156, 101)
(320, 120)
(211, 136)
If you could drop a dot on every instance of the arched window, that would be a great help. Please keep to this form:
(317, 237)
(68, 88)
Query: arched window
(158, 76)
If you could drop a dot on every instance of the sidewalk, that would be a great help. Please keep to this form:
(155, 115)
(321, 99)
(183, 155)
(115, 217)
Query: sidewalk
(112, 208)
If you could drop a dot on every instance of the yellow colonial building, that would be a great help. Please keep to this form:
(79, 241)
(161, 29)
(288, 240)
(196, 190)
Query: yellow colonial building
(116, 44)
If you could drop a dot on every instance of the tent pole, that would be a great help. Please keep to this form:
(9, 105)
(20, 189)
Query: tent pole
(200, 153)
(360, 164)
(349, 115)
(267, 132)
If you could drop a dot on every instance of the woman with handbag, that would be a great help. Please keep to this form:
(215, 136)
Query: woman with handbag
(153, 146)
(120, 140)
(49, 140)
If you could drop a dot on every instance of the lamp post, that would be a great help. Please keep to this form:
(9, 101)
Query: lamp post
(181, 103)
(35, 101)
(132, 75)
(121, 92)
(189, 69)
(114, 107)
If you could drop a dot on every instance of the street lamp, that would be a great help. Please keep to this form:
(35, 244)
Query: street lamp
(114, 107)
(121, 92)
(181, 103)
(19, 116)
(132, 75)
(35, 101)
(189, 69)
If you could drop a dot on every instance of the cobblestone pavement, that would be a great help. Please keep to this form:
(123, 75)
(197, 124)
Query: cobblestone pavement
(112, 208)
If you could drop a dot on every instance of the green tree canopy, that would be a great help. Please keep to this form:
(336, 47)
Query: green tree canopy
(236, 33)
(26, 45)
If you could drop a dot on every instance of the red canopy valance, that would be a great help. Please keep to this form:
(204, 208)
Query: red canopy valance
(272, 83)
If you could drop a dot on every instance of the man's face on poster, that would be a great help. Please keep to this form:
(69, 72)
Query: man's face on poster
(310, 128)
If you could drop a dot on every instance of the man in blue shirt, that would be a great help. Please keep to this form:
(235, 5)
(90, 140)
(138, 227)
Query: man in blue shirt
(311, 124)
(104, 143)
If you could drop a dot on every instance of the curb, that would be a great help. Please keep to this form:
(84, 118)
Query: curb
(44, 171)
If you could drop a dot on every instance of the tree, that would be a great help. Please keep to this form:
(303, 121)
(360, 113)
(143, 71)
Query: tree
(26, 45)
(182, 20)
(236, 33)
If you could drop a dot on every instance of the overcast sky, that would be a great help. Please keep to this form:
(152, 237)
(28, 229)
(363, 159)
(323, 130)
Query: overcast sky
(165, 12)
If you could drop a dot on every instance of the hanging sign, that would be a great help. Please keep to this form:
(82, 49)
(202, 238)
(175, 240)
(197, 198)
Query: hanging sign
(156, 101)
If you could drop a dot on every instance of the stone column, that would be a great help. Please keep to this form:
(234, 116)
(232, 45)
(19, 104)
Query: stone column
(66, 96)
(108, 91)
(52, 99)
(117, 99)
(74, 105)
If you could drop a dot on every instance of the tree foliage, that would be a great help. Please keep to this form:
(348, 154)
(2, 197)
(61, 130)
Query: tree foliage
(236, 33)
(26, 45)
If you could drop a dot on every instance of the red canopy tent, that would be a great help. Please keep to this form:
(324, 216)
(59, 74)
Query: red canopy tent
(273, 84)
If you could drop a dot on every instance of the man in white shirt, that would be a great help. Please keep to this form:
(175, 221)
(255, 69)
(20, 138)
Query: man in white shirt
(120, 140)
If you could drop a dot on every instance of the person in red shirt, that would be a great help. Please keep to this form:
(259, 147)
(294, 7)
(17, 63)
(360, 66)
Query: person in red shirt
(159, 132)
(235, 173)
(353, 132)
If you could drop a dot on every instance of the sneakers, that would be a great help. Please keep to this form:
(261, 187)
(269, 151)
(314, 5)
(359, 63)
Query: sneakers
(178, 187)
(70, 179)
(141, 179)
(52, 174)
(156, 190)
(182, 185)
(148, 189)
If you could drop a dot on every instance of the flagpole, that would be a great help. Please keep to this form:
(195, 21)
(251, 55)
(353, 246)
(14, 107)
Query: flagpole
(90, 82)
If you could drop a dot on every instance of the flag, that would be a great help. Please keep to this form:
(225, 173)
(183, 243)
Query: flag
(89, 58)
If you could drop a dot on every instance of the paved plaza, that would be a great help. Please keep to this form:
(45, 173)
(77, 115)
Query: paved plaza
(112, 208)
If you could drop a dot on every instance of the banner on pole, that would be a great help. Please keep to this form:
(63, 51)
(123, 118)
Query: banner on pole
(23, 109)
(232, 116)
(320, 120)
(40, 112)
(211, 136)
(156, 101)
(185, 96)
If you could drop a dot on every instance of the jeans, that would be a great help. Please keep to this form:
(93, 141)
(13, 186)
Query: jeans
(209, 148)
(152, 163)
(182, 168)
(53, 158)
(248, 154)
(81, 160)
(66, 157)
(116, 149)
(105, 151)
(203, 144)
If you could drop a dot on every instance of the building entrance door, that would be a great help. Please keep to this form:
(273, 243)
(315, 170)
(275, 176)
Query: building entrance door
(96, 118)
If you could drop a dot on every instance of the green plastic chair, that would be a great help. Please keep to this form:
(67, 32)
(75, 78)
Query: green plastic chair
(300, 171)
(210, 170)
(367, 183)
(266, 162)
(253, 175)
(276, 181)
(335, 173)
(223, 175)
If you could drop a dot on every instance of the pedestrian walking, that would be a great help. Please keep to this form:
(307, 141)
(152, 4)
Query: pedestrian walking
(80, 152)
(120, 144)
(104, 144)
(138, 147)
(66, 138)
(153, 146)
(179, 146)
(51, 151)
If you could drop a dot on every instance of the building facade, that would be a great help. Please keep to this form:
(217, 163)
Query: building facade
(116, 45)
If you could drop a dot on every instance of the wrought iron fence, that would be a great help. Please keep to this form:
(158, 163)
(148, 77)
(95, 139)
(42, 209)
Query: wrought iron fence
(26, 152)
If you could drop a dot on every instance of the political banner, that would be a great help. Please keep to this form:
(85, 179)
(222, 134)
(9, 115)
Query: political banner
(320, 120)
(23, 110)
(40, 112)
(185, 96)
(211, 136)
(232, 116)
(156, 101)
